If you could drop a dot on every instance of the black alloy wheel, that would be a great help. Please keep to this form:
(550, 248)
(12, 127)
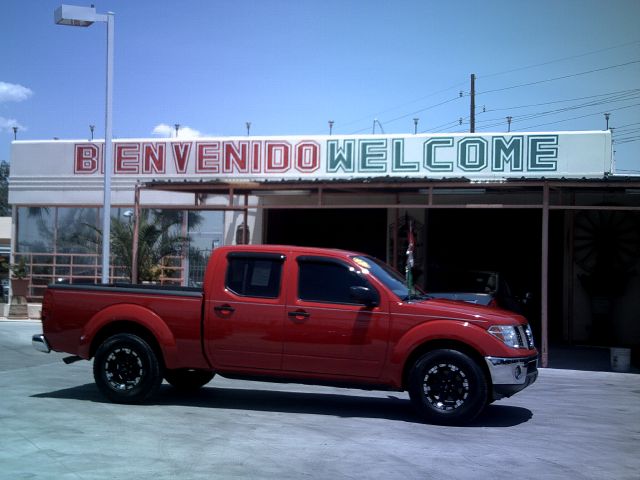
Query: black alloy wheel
(448, 387)
(126, 369)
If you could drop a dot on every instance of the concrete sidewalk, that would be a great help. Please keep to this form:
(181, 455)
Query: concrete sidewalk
(55, 424)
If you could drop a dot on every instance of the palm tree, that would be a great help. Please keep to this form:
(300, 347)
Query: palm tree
(157, 238)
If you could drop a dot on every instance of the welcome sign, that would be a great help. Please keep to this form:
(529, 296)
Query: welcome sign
(482, 156)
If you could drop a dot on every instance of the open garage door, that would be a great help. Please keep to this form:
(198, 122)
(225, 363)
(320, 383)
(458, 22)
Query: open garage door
(362, 230)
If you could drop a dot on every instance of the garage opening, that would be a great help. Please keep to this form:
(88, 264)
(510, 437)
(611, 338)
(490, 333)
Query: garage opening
(362, 230)
(499, 246)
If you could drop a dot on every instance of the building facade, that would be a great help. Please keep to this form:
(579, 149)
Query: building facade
(543, 212)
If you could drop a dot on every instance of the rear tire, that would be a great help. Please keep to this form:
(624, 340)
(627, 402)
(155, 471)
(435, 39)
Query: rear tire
(188, 379)
(447, 387)
(126, 369)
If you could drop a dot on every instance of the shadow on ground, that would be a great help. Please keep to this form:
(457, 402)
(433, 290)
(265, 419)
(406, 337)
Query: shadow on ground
(336, 405)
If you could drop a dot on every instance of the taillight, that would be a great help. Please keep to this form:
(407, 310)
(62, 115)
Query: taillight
(46, 305)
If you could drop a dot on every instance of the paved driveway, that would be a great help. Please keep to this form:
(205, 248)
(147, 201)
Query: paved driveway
(55, 425)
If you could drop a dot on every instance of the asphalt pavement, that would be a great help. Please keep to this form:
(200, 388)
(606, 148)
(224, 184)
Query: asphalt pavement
(55, 425)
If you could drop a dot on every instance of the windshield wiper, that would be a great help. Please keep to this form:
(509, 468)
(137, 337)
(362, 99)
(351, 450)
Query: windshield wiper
(416, 296)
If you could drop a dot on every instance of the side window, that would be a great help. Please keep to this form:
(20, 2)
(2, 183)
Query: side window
(252, 276)
(329, 282)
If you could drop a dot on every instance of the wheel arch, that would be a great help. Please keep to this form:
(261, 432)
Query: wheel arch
(446, 344)
(134, 319)
(126, 326)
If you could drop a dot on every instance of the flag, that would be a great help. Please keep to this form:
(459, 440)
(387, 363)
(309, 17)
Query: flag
(409, 266)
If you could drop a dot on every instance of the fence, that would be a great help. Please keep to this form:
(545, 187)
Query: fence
(47, 268)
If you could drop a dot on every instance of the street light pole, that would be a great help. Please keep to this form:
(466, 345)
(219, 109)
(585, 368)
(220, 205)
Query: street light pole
(77, 16)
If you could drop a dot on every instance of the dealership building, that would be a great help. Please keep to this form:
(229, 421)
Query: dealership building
(543, 212)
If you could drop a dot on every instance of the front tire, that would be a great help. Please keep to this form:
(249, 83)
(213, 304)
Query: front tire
(126, 369)
(188, 379)
(447, 387)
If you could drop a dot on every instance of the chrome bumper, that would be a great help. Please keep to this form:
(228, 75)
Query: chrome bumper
(511, 371)
(510, 375)
(40, 343)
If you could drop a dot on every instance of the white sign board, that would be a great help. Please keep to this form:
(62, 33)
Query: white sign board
(40, 166)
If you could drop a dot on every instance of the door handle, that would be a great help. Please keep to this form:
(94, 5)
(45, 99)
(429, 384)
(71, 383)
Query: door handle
(298, 315)
(224, 309)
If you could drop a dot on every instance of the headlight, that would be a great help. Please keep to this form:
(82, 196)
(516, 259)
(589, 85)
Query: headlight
(507, 334)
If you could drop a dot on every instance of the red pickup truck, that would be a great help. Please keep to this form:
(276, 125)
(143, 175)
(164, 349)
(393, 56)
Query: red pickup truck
(306, 315)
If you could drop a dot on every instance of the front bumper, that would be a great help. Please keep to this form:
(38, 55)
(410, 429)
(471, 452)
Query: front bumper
(510, 375)
(40, 343)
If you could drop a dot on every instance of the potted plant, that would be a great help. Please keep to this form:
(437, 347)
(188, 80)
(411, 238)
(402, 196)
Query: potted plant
(19, 280)
(19, 290)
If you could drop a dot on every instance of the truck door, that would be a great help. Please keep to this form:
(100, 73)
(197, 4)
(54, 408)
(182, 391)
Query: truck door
(326, 330)
(245, 312)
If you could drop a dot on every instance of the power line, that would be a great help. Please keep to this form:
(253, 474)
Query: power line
(533, 115)
(412, 113)
(559, 78)
(576, 118)
(632, 90)
(457, 85)
(559, 60)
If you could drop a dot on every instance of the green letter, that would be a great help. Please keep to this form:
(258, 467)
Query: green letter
(467, 160)
(507, 151)
(543, 147)
(430, 162)
(399, 165)
(373, 155)
(340, 157)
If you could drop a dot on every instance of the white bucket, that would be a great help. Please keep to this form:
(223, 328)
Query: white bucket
(620, 359)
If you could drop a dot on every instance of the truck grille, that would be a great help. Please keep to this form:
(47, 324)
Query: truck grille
(525, 337)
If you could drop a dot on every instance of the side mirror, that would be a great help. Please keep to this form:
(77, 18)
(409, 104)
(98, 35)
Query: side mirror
(365, 295)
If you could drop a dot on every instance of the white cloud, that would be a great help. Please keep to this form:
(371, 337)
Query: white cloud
(12, 92)
(7, 124)
(164, 130)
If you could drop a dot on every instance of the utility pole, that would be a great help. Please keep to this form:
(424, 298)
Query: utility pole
(472, 117)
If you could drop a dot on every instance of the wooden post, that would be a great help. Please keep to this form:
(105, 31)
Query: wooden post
(544, 291)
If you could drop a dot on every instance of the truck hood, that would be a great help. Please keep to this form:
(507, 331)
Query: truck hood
(459, 310)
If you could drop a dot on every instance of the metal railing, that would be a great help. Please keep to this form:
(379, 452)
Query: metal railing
(47, 268)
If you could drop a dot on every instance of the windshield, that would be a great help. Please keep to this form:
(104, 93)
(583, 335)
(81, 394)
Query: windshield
(389, 277)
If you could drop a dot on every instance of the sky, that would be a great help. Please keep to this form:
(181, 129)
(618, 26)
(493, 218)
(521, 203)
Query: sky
(290, 66)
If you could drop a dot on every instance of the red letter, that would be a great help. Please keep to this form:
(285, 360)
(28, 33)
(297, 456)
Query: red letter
(278, 157)
(86, 159)
(307, 157)
(256, 159)
(208, 157)
(181, 153)
(153, 158)
(234, 161)
(127, 158)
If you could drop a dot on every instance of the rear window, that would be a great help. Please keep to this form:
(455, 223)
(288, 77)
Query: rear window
(254, 276)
